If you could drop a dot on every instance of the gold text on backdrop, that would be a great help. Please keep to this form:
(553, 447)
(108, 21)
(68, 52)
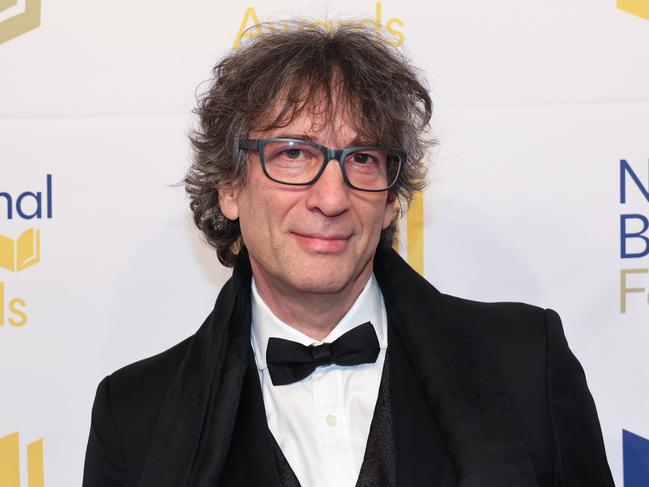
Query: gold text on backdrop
(21, 249)
(250, 25)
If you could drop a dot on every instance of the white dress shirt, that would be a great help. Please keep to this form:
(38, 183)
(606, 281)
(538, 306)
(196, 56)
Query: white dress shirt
(322, 422)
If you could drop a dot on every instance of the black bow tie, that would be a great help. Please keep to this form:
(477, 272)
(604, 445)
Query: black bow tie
(290, 361)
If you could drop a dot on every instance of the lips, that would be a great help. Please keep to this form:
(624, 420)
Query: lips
(323, 243)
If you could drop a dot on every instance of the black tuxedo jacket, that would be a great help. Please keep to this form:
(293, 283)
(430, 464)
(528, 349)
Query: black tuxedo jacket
(482, 395)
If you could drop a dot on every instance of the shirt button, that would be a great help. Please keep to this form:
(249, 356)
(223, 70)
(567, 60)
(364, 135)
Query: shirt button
(331, 420)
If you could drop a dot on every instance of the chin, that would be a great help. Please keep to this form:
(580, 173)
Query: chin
(331, 283)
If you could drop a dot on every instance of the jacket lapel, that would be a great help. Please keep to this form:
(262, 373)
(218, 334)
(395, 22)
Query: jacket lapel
(251, 459)
(196, 421)
(473, 413)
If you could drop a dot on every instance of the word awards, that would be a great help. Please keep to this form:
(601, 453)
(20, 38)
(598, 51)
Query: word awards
(12, 310)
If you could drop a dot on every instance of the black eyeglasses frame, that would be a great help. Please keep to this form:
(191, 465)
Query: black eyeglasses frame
(339, 155)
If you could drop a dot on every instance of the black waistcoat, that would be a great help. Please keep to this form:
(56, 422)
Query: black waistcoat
(405, 447)
(378, 466)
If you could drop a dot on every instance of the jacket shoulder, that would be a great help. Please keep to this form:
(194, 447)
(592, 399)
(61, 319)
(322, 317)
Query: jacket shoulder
(514, 340)
(509, 330)
(125, 412)
(146, 378)
(499, 314)
(138, 390)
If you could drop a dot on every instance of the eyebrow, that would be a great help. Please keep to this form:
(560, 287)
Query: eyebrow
(303, 136)
(357, 142)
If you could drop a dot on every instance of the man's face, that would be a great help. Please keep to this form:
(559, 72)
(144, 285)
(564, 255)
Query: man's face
(318, 239)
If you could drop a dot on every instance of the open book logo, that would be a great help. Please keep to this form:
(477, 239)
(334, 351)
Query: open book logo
(18, 17)
(635, 7)
(21, 253)
(10, 462)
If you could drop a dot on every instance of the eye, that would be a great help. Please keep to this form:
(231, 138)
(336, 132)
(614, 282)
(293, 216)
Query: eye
(362, 158)
(293, 153)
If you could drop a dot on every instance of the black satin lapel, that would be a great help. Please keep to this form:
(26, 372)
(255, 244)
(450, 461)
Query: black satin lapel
(420, 449)
(195, 423)
(472, 412)
(251, 460)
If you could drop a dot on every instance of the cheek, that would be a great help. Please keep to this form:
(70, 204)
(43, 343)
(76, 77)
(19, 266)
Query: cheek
(280, 203)
(264, 213)
(379, 212)
(388, 215)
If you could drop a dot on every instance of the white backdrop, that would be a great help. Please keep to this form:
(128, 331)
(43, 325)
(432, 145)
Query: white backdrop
(536, 104)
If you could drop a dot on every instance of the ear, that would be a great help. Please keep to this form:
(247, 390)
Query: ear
(389, 211)
(228, 201)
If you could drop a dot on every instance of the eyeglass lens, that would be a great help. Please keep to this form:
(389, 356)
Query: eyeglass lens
(299, 163)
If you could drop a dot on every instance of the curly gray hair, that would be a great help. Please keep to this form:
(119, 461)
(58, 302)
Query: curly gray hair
(288, 71)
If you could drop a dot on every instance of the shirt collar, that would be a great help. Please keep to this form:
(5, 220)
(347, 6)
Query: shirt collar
(369, 306)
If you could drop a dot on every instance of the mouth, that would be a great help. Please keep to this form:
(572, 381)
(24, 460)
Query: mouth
(323, 243)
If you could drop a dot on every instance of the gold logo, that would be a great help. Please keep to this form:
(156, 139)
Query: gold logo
(21, 253)
(635, 7)
(10, 462)
(415, 233)
(20, 22)
(391, 28)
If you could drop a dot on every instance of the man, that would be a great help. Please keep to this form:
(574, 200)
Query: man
(327, 361)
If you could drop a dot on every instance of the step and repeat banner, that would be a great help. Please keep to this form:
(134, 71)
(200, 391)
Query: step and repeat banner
(538, 191)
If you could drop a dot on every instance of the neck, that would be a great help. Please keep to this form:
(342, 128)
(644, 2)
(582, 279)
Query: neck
(313, 313)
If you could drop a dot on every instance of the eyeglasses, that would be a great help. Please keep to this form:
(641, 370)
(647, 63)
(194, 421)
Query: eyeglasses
(300, 163)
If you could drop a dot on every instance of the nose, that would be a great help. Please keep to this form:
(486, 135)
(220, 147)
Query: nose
(329, 194)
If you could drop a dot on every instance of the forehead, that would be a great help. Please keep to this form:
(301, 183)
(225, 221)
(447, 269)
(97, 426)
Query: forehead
(324, 116)
(338, 132)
